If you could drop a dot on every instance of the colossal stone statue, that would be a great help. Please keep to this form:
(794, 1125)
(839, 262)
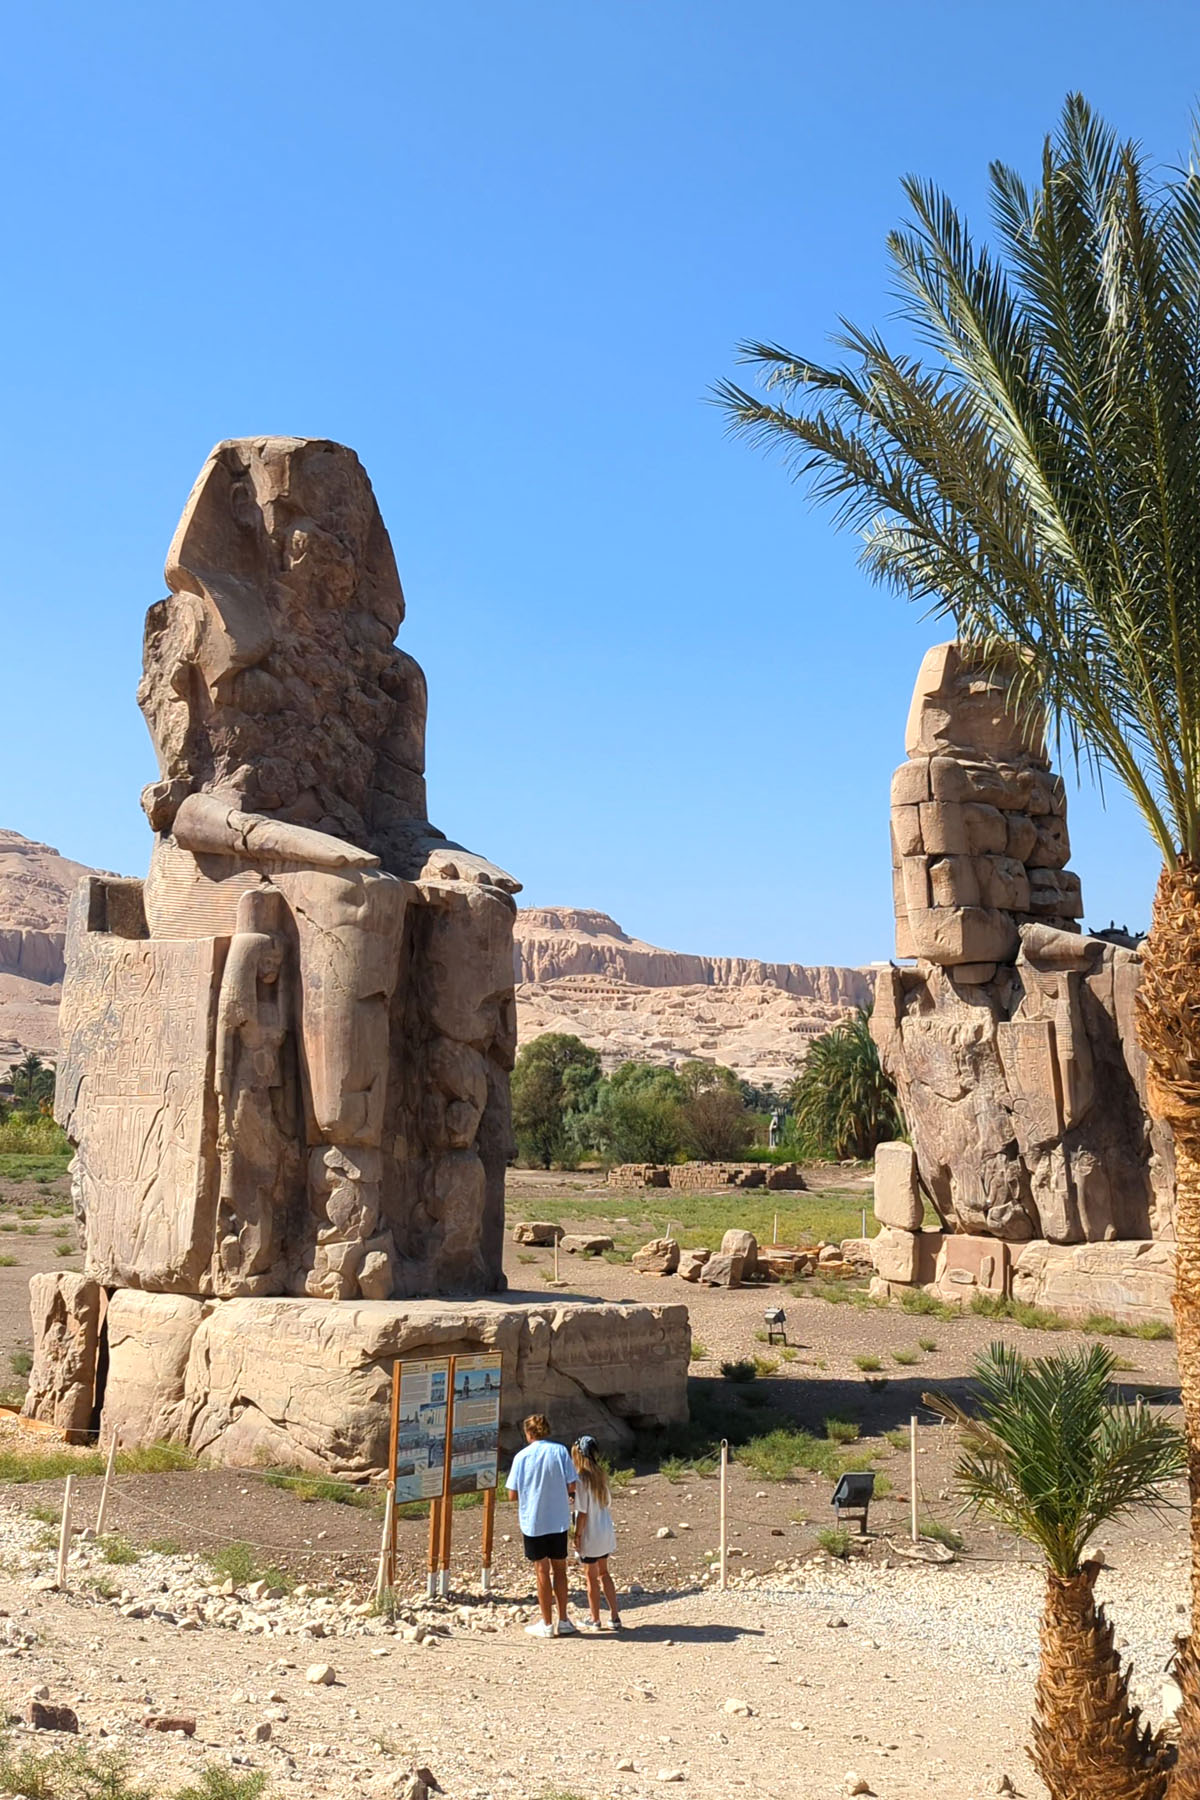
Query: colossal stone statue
(285, 1058)
(1012, 1038)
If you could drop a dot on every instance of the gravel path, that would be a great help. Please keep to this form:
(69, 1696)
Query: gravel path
(916, 1679)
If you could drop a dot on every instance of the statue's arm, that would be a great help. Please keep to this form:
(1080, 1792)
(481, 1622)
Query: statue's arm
(206, 823)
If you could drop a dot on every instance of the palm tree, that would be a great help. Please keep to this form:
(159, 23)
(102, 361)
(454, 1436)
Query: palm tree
(1054, 1461)
(1033, 472)
(843, 1101)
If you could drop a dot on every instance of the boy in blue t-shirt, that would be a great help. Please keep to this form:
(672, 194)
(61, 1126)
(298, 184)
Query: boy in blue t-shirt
(543, 1479)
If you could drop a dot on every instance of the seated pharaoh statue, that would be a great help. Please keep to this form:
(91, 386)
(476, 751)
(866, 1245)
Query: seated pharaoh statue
(285, 1055)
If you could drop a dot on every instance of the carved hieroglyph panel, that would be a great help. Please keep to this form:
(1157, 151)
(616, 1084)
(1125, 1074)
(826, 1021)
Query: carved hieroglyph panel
(134, 1092)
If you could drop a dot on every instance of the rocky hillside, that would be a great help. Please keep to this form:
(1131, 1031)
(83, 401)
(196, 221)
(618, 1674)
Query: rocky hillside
(578, 971)
(36, 883)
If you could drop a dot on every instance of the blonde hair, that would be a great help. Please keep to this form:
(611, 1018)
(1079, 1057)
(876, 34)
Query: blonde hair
(537, 1425)
(591, 1471)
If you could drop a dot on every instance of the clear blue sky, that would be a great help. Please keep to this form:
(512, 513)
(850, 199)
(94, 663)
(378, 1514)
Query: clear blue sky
(502, 250)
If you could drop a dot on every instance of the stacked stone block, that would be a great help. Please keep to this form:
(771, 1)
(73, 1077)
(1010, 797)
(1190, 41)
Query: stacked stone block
(979, 829)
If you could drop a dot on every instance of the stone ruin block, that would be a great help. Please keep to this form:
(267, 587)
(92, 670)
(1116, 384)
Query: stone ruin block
(1133, 1281)
(659, 1257)
(66, 1311)
(898, 1198)
(306, 1383)
(908, 1258)
(970, 1265)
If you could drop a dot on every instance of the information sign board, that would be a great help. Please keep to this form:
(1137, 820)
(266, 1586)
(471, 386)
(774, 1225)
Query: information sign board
(475, 1423)
(420, 1441)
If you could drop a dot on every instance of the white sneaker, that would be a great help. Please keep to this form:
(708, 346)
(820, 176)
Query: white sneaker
(541, 1629)
(589, 1625)
(565, 1628)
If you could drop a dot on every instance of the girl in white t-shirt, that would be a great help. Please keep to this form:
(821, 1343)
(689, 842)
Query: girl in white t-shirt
(595, 1538)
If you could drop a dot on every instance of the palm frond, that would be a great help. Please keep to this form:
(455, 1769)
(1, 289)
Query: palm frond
(1033, 473)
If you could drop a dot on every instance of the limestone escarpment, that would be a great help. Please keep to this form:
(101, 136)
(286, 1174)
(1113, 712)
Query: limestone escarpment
(550, 943)
(579, 972)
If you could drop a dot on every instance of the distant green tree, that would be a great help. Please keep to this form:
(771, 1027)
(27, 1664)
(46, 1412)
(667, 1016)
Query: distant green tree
(554, 1084)
(716, 1124)
(697, 1077)
(32, 1083)
(638, 1115)
(843, 1103)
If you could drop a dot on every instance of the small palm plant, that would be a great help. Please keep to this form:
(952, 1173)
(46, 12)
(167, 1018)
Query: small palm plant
(1054, 1459)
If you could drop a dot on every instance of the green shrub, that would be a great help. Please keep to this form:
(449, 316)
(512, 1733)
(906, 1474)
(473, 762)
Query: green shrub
(835, 1541)
(215, 1783)
(842, 1431)
(310, 1488)
(21, 1135)
(1021, 1312)
(741, 1370)
(868, 1364)
(21, 1362)
(929, 1345)
(906, 1358)
(699, 1351)
(7, 1262)
(928, 1306)
(117, 1549)
(765, 1365)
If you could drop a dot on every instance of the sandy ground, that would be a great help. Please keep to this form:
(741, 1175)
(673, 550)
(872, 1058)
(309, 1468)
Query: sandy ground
(916, 1678)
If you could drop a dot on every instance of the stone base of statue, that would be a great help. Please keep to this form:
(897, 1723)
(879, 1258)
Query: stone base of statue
(305, 1384)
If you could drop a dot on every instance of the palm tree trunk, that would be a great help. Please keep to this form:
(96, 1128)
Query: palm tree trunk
(1169, 1030)
(1088, 1742)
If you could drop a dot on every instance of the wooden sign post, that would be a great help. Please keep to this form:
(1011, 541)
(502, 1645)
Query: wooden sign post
(489, 1535)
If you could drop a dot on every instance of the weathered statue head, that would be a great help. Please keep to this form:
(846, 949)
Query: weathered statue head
(271, 679)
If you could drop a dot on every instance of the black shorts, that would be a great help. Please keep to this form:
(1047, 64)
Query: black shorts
(593, 1559)
(551, 1543)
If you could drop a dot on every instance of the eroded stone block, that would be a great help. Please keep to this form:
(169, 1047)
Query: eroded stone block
(898, 1198)
(65, 1310)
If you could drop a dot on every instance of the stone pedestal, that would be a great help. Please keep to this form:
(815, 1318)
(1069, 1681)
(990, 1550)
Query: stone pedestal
(306, 1383)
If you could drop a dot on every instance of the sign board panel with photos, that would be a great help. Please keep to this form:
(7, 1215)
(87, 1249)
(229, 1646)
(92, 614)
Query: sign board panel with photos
(475, 1423)
(419, 1447)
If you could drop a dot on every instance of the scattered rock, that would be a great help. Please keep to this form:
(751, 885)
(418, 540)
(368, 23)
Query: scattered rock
(579, 1244)
(626, 1766)
(743, 1244)
(320, 1674)
(1006, 1785)
(741, 1709)
(170, 1722)
(539, 1232)
(45, 1717)
(262, 1731)
(671, 1775)
(659, 1257)
(664, 1531)
(857, 1784)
